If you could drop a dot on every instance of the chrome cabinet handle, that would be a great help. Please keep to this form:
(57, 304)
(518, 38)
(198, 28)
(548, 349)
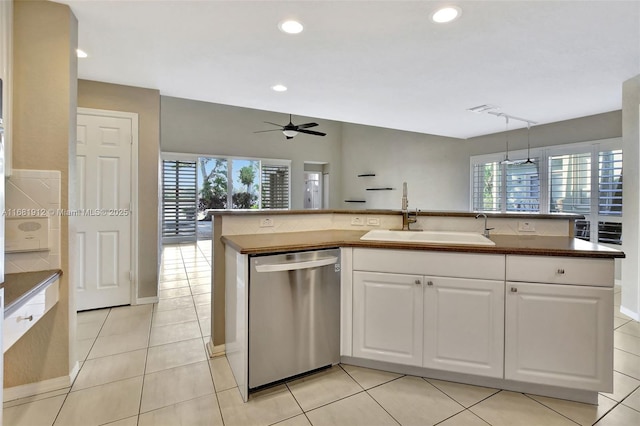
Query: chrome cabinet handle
(418, 282)
(560, 271)
(29, 318)
(429, 282)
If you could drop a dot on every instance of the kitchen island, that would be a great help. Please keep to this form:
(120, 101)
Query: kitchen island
(532, 313)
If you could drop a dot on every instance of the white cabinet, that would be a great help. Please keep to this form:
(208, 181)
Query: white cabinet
(560, 335)
(464, 325)
(19, 322)
(453, 322)
(387, 317)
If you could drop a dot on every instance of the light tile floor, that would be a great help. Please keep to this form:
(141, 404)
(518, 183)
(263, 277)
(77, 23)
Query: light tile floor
(147, 365)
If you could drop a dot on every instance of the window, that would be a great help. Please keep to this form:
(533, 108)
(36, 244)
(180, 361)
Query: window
(242, 184)
(275, 186)
(570, 183)
(178, 200)
(487, 186)
(523, 187)
(580, 178)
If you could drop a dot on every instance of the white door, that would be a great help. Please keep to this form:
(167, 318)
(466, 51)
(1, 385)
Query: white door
(387, 317)
(103, 222)
(560, 335)
(464, 325)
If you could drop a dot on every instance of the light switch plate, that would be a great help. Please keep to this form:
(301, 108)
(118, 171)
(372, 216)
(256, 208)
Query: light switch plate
(373, 221)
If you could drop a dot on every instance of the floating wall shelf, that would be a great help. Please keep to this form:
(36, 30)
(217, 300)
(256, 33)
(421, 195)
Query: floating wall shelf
(379, 189)
(355, 201)
(367, 175)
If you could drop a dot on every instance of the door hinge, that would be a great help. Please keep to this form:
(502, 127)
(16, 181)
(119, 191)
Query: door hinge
(131, 276)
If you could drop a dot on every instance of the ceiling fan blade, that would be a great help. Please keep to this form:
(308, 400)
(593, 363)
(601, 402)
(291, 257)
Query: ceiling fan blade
(307, 125)
(312, 132)
(272, 130)
(275, 124)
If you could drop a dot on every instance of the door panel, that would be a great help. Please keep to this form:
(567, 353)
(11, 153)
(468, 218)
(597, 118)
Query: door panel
(559, 335)
(387, 317)
(103, 222)
(464, 325)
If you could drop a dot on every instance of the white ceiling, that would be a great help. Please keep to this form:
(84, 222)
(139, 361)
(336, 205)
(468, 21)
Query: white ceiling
(380, 63)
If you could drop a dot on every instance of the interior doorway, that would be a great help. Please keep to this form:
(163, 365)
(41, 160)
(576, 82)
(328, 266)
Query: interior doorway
(316, 179)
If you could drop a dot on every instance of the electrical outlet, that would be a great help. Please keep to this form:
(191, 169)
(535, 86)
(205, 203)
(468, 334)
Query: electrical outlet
(526, 227)
(267, 222)
(373, 221)
(357, 221)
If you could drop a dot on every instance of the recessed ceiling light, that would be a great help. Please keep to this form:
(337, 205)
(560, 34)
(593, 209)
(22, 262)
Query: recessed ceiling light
(279, 88)
(290, 27)
(81, 53)
(446, 14)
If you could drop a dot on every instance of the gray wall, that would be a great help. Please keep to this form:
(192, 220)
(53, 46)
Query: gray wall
(434, 167)
(204, 128)
(594, 127)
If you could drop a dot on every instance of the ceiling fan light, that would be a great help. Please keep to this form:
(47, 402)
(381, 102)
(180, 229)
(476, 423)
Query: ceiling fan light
(290, 133)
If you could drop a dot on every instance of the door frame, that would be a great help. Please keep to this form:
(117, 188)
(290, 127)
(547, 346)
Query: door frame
(133, 209)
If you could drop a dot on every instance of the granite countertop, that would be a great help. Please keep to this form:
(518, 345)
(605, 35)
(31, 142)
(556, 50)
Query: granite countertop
(505, 244)
(19, 287)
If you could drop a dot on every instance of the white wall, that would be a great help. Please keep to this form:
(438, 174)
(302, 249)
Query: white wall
(196, 127)
(435, 168)
(630, 303)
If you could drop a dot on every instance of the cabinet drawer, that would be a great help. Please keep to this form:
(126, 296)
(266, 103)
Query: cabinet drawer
(561, 270)
(444, 264)
(18, 323)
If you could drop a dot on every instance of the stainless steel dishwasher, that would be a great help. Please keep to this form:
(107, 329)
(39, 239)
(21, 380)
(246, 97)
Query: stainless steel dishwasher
(294, 314)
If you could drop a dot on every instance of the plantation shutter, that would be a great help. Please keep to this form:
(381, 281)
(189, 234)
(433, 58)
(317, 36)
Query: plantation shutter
(179, 200)
(570, 183)
(487, 186)
(523, 187)
(275, 186)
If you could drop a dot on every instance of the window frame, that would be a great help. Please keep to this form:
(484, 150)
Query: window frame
(544, 154)
(229, 158)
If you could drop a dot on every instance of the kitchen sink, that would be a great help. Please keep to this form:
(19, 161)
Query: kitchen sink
(429, 237)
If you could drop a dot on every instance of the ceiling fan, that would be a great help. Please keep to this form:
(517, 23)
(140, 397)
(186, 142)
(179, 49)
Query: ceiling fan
(290, 130)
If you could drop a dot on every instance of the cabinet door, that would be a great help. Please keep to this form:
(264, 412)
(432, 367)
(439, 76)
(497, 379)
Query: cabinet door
(387, 317)
(464, 325)
(559, 335)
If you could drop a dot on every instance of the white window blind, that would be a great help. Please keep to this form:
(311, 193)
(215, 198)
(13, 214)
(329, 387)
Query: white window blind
(523, 187)
(570, 183)
(610, 183)
(275, 186)
(487, 186)
(179, 199)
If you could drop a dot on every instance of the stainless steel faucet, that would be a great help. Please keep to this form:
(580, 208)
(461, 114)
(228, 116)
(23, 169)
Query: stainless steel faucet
(407, 218)
(486, 230)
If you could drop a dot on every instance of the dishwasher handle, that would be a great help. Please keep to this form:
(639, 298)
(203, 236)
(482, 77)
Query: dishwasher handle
(293, 266)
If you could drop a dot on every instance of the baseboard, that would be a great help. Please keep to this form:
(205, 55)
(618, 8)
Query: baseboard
(631, 314)
(146, 300)
(214, 351)
(30, 389)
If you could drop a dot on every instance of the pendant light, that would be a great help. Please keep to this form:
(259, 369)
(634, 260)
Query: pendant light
(506, 132)
(529, 160)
